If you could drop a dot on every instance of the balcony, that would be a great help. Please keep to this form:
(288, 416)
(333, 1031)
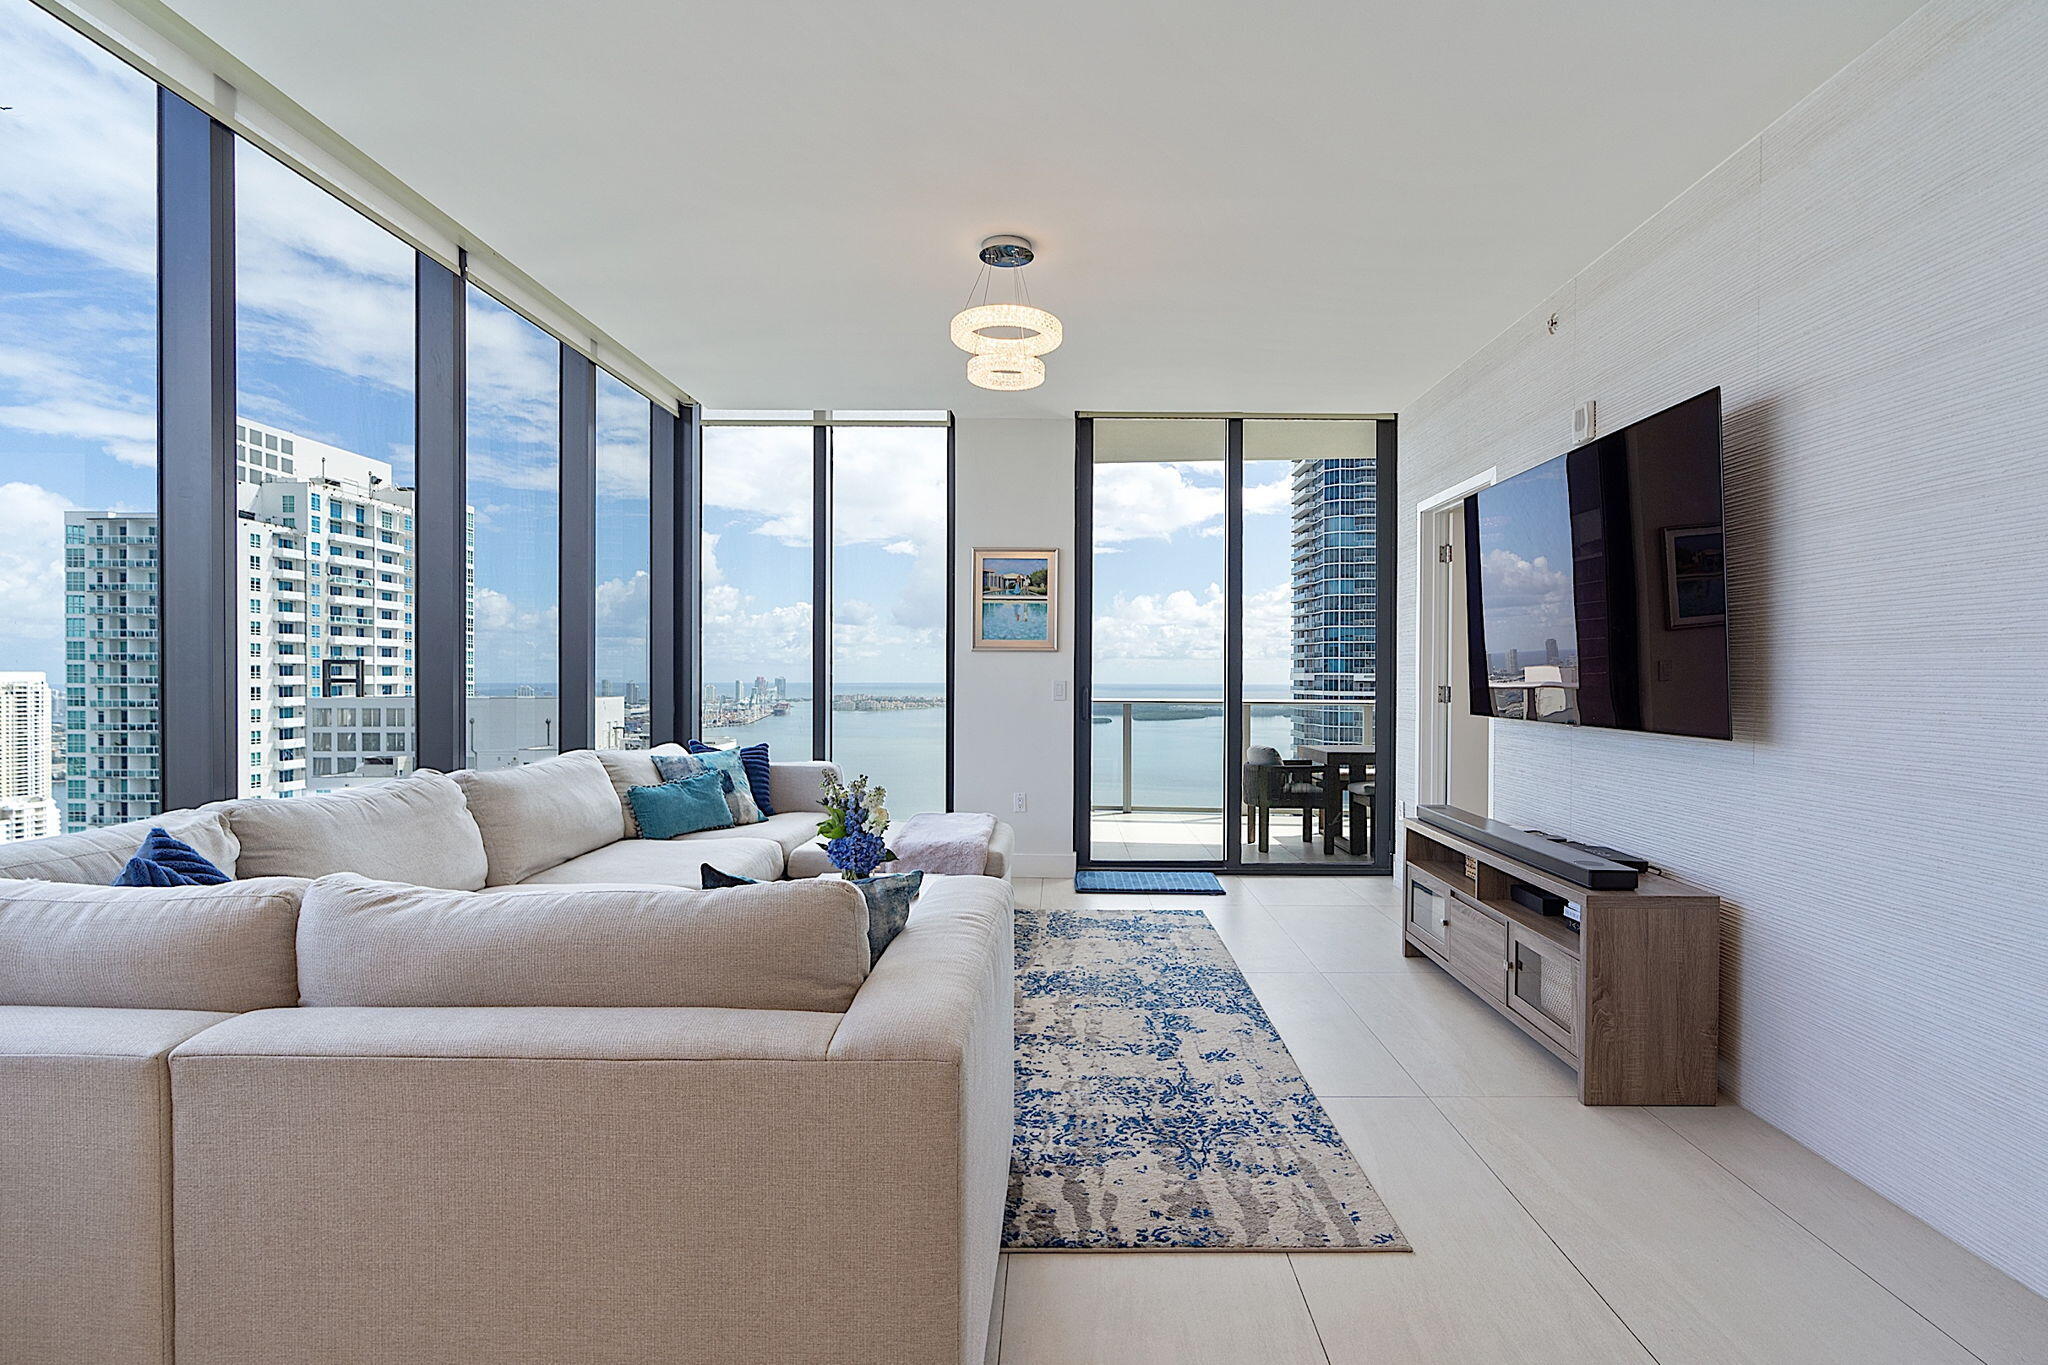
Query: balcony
(1158, 776)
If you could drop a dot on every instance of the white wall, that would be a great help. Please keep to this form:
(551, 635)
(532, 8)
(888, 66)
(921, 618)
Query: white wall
(1014, 487)
(1868, 283)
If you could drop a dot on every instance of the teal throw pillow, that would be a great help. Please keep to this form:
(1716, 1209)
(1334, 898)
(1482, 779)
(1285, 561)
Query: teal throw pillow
(683, 806)
(739, 797)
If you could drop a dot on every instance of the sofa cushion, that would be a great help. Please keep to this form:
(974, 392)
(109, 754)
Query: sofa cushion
(539, 815)
(790, 831)
(96, 856)
(787, 946)
(412, 829)
(800, 786)
(630, 768)
(225, 948)
(681, 805)
(666, 862)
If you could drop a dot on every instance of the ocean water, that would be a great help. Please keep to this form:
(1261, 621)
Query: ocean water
(1177, 753)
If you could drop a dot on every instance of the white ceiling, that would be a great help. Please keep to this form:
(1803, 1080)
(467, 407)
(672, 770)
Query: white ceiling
(1318, 206)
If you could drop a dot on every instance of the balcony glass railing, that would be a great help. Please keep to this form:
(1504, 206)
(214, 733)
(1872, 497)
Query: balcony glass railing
(1166, 754)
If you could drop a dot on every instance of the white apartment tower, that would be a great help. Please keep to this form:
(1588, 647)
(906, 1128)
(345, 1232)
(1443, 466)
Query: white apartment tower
(27, 810)
(324, 583)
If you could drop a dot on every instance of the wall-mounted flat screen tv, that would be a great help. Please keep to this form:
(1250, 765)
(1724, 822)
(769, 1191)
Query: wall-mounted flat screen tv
(1596, 589)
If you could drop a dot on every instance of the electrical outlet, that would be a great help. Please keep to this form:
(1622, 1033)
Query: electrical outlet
(1059, 689)
(1020, 802)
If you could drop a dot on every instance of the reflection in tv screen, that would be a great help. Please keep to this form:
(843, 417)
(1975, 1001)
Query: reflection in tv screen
(1596, 583)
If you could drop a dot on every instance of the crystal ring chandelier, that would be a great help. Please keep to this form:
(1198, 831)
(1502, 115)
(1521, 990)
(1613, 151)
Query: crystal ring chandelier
(1005, 340)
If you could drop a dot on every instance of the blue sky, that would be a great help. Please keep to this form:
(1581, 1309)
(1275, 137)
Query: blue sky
(77, 312)
(1159, 573)
(1525, 562)
(325, 348)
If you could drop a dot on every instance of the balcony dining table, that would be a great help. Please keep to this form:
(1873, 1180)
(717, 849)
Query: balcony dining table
(1336, 760)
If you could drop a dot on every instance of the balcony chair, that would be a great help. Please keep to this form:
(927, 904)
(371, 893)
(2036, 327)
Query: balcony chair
(1270, 783)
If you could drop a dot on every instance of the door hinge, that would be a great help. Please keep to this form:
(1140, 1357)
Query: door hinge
(1443, 692)
(1443, 554)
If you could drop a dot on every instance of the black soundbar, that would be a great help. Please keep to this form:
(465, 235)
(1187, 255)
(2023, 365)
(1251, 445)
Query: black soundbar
(1538, 851)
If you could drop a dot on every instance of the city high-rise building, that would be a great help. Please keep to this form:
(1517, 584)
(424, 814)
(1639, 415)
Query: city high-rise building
(28, 810)
(324, 585)
(111, 756)
(1335, 598)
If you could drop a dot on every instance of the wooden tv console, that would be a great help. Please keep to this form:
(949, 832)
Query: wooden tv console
(1631, 1000)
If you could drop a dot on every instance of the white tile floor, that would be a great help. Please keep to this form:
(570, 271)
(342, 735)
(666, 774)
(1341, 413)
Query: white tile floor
(1546, 1233)
(1195, 836)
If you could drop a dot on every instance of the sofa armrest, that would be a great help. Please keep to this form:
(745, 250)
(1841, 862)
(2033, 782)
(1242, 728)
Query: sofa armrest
(797, 786)
(944, 993)
(1002, 847)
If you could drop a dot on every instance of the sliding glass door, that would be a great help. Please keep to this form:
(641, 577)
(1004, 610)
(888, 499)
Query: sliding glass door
(1157, 627)
(1234, 646)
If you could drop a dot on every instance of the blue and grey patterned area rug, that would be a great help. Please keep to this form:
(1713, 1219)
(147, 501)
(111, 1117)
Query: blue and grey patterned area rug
(1158, 1109)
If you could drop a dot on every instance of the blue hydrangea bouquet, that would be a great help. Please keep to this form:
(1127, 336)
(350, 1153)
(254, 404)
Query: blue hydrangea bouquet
(855, 819)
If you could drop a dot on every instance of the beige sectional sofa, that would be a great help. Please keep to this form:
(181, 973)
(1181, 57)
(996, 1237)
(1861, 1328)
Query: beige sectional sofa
(413, 1089)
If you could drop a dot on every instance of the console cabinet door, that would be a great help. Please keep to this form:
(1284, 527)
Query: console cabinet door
(1478, 950)
(1543, 987)
(1426, 914)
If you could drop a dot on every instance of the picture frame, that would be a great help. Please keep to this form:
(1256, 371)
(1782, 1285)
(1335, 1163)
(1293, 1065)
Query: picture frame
(1016, 599)
(1695, 577)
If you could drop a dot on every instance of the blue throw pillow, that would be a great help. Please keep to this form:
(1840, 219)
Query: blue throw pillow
(711, 879)
(755, 758)
(889, 901)
(166, 861)
(683, 806)
(738, 797)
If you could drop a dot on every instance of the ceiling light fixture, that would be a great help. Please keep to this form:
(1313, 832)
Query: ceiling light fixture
(1005, 340)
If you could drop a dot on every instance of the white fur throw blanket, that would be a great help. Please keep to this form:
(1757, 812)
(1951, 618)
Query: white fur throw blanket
(954, 843)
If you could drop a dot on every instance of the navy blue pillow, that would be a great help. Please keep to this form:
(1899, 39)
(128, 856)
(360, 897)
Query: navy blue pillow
(755, 758)
(165, 861)
(710, 878)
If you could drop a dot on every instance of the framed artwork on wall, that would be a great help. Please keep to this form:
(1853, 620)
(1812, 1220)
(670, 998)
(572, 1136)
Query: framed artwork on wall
(1017, 599)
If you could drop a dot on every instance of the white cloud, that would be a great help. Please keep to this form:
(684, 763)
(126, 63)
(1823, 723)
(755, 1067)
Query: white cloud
(1530, 590)
(57, 399)
(79, 146)
(1151, 501)
(1268, 499)
(1182, 627)
(901, 547)
(31, 576)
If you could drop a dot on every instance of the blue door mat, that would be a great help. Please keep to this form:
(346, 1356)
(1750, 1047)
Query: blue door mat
(1156, 883)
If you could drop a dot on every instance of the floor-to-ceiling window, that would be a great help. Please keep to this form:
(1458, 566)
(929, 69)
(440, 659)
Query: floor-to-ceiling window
(78, 525)
(756, 568)
(624, 566)
(514, 470)
(1235, 645)
(881, 676)
(1157, 631)
(889, 610)
(1310, 650)
(323, 566)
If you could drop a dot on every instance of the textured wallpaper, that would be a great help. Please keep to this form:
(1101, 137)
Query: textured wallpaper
(1867, 283)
